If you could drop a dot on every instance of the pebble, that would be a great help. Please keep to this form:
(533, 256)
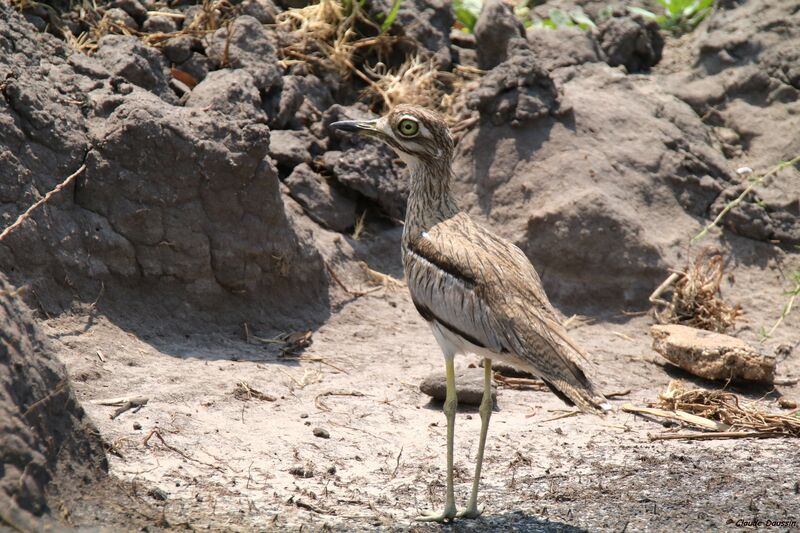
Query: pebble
(321, 433)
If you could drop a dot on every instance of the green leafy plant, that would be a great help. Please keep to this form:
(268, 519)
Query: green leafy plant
(679, 15)
(467, 12)
(561, 19)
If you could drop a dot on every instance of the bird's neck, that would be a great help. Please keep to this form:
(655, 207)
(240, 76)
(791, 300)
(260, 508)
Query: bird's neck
(430, 200)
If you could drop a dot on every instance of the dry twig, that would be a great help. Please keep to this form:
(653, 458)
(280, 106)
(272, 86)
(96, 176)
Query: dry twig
(45, 199)
(722, 412)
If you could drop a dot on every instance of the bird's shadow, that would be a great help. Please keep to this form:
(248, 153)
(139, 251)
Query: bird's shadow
(512, 521)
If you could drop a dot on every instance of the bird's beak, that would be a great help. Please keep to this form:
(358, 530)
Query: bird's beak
(368, 127)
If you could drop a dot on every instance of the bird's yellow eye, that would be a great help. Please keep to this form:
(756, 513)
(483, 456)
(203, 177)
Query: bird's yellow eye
(408, 127)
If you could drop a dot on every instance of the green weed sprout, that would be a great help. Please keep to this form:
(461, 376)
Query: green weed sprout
(754, 181)
(787, 308)
(679, 16)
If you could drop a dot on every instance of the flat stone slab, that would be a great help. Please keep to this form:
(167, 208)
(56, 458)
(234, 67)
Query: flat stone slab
(469, 386)
(711, 355)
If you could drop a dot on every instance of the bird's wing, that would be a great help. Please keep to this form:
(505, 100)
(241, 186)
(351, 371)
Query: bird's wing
(484, 288)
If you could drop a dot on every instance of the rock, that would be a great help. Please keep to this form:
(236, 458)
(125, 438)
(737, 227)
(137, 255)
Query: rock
(159, 24)
(182, 228)
(204, 187)
(178, 49)
(263, 11)
(158, 494)
(323, 203)
(197, 66)
(427, 25)
(786, 403)
(496, 28)
(469, 386)
(711, 355)
(48, 444)
(563, 47)
(740, 70)
(369, 170)
(321, 433)
(231, 92)
(247, 46)
(508, 370)
(518, 90)
(134, 8)
(289, 148)
(118, 16)
(126, 56)
(303, 471)
(631, 41)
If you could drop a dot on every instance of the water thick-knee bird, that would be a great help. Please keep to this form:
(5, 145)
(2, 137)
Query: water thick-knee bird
(478, 291)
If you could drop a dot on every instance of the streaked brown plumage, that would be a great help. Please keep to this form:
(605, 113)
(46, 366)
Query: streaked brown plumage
(478, 291)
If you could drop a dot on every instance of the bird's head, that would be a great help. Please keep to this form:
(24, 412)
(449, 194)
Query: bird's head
(418, 135)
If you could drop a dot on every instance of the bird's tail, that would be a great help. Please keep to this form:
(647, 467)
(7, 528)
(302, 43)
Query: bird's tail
(563, 366)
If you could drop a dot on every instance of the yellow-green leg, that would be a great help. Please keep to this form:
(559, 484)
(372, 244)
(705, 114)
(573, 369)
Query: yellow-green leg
(450, 405)
(485, 410)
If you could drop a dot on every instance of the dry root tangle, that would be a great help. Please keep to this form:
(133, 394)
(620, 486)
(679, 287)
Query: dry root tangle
(696, 298)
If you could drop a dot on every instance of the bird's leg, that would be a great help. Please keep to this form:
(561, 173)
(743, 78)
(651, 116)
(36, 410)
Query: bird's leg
(485, 410)
(450, 405)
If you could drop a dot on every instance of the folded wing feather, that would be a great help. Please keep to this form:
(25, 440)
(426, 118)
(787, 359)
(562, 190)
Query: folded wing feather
(484, 288)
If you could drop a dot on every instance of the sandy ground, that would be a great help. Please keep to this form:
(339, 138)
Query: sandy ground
(225, 464)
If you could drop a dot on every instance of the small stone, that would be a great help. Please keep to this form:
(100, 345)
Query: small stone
(304, 415)
(158, 494)
(304, 471)
(134, 8)
(332, 470)
(178, 49)
(786, 403)
(711, 355)
(469, 386)
(321, 433)
(159, 24)
(118, 16)
(137, 426)
(263, 11)
(197, 66)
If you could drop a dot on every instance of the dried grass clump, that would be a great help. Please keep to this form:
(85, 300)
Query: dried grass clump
(696, 297)
(729, 410)
(418, 81)
(330, 34)
(213, 14)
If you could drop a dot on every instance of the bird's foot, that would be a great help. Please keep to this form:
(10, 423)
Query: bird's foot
(472, 511)
(431, 516)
